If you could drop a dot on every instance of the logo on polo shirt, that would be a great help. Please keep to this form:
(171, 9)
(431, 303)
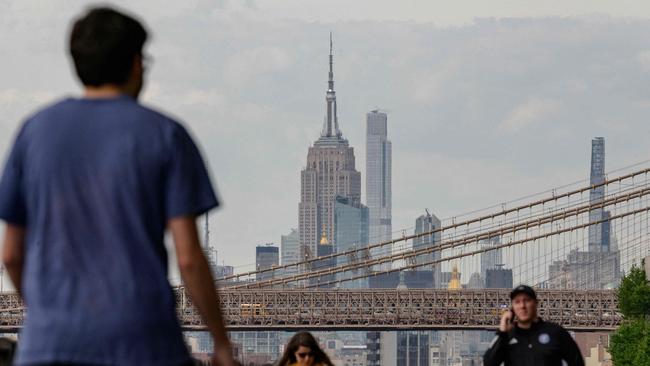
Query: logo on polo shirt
(544, 338)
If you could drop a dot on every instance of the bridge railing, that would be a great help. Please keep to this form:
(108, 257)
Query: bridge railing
(580, 310)
(400, 309)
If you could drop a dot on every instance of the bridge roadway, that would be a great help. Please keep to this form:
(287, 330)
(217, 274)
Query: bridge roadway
(378, 309)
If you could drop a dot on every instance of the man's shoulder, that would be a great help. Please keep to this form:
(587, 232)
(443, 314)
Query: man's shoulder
(156, 114)
(49, 109)
(65, 107)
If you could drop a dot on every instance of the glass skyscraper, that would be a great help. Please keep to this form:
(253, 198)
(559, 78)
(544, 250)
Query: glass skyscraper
(351, 222)
(413, 348)
(423, 224)
(266, 256)
(290, 251)
(599, 234)
(492, 258)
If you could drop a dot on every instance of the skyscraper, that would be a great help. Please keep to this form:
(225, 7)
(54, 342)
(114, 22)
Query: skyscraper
(290, 251)
(330, 171)
(266, 256)
(492, 258)
(413, 348)
(324, 249)
(423, 224)
(600, 266)
(498, 277)
(351, 222)
(378, 176)
(599, 233)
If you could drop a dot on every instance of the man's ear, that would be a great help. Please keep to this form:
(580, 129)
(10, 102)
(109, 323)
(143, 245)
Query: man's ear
(137, 67)
(133, 84)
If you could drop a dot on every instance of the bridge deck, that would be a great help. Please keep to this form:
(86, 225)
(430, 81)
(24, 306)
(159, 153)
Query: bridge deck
(342, 309)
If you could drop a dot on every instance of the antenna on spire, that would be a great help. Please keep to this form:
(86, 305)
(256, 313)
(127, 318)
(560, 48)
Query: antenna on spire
(331, 74)
(331, 128)
(331, 43)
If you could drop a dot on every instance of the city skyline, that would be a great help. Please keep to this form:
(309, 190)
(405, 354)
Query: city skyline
(480, 99)
(455, 113)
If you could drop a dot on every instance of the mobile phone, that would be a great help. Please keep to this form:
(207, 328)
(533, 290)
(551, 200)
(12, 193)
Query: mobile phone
(512, 316)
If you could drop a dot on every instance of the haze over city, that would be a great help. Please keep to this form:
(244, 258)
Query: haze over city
(485, 104)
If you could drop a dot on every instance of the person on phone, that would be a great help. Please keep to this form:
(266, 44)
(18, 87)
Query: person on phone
(90, 187)
(524, 338)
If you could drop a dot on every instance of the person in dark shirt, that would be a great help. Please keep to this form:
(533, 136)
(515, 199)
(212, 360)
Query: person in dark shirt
(527, 340)
(90, 186)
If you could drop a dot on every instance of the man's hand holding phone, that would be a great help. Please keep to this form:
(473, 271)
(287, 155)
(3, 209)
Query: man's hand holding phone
(507, 318)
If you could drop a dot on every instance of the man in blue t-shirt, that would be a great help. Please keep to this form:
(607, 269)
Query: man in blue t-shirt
(88, 190)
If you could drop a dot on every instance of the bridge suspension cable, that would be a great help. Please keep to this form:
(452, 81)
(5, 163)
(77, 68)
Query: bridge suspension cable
(412, 254)
(504, 212)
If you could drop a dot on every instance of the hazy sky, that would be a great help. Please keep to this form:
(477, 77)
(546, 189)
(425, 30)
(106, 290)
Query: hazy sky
(487, 101)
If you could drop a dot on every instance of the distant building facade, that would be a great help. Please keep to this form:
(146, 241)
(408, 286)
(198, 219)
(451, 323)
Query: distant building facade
(324, 250)
(351, 223)
(224, 271)
(257, 348)
(413, 348)
(599, 236)
(330, 171)
(498, 278)
(424, 224)
(266, 256)
(378, 177)
(599, 266)
(290, 251)
(490, 259)
(586, 271)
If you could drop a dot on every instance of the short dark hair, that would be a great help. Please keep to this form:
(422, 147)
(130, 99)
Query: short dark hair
(103, 44)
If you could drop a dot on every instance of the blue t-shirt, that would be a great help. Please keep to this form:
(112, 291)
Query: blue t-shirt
(94, 181)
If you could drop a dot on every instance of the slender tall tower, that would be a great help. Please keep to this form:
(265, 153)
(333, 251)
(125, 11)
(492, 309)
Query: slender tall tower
(378, 177)
(599, 234)
(330, 171)
(423, 224)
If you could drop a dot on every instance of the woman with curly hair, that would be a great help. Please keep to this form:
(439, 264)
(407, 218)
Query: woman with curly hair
(303, 350)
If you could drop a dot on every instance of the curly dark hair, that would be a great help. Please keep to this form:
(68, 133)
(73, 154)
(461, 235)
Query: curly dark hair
(304, 339)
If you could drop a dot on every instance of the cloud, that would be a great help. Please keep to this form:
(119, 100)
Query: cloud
(16, 105)
(10, 97)
(193, 98)
(249, 64)
(432, 86)
(473, 107)
(532, 111)
(644, 59)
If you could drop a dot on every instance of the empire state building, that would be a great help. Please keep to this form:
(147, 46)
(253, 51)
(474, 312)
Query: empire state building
(330, 172)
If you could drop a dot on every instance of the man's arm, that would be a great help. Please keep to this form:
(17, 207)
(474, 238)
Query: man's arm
(496, 353)
(13, 253)
(571, 351)
(199, 283)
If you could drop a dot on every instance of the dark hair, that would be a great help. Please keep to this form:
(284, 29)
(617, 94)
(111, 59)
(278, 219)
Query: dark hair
(103, 44)
(304, 339)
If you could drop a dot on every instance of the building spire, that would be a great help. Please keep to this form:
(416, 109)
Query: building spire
(331, 128)
(331, 74)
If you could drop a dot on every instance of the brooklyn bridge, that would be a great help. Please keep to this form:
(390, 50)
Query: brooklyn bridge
(545, 236)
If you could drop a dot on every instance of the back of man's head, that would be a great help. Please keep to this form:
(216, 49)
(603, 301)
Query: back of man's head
(103, 45)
